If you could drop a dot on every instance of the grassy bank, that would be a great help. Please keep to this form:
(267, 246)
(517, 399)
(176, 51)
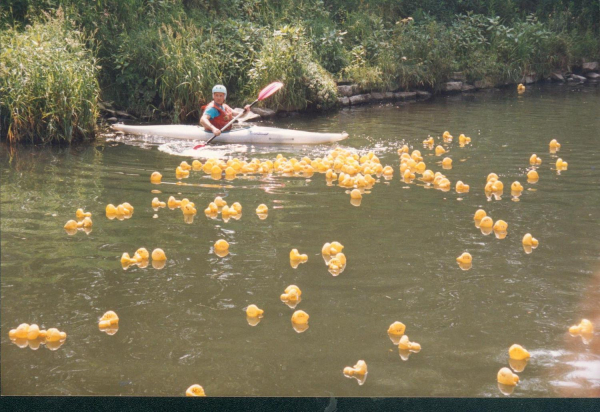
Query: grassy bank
(159, 59)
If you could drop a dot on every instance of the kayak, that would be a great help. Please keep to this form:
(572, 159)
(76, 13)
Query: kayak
(251, 134)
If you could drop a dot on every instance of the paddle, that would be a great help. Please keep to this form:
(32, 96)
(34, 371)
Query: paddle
(268, 91)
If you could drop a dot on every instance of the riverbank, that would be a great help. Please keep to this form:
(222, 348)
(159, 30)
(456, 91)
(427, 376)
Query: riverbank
(158, 62)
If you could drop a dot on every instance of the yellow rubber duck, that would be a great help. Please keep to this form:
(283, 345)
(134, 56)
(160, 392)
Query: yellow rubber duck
(405, 344)
(486, 223)
(219, 201)
(447, 163)
(141, 254)
(461, 187)
(465, 258)
(71, 225)
(197, 165)
(403, 149)
(173, 203)
(516, 187)
(585, 327)
(420, 168)
(300, 317)
(181, 173)
(296, 258)
(520, 88)
(157, 203)
(221, 245)
(253, 311)
(561, 165)
(447, 136)
(554, 146)
(158, 255)
(463, 140)
(479, 214)
(388, 171)
(532, 176)
(439, 150)
(408, 176)
(517, 352)
(529, 240)
(20, 332)
(195, 390)
(507, 377)
(358, 371)
(80, 214)
(428, 176)
(429, 141)
(189, 209)
(185, 166)
(54, 335)
(497, 187)
(491, 177)
(155, 178)
(111, 211)
(355, 194)
(291, 293)
(262, 209)
(126, 260)
(33, 332)
(109, 319)
(395, 331)
(500, 226)
(534, 160)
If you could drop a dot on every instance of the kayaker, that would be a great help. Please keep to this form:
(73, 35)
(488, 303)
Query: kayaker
(217, 114)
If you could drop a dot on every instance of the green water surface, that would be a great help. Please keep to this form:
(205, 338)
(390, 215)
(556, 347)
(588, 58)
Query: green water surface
(185, 323)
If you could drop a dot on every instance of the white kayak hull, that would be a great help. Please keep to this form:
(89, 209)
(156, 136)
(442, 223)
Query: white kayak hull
(253, 134)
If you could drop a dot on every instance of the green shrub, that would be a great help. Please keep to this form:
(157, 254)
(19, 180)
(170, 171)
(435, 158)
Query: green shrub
(286, 56)
(48, 83)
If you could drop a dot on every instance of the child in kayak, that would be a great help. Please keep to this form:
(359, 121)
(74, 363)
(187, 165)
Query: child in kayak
(217, 114)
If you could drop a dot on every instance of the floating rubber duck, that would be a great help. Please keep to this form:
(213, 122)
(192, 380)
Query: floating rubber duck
(71, 225)
(463, 140)
(532, 176)
(447, 163)
(197, 165)
(157, 203)
(507, 377)
(461, 187)
(520, 88)
(358, 371)
(395, 331)
(388, 171)
(155, 178)
(173, 203)
(262, 209)
(195, 390)
(296, 258)
(185, 166)
(181, 173)
(529, 240)
(355, 194)
(561, 165)
(517, 352)
(429, 141)
(439, 150)
(428, 176)
(534, 160)
(332, 248)
(420, 168)
(300, 317)
(585, 327)
(465, 258)
(408, 176)
(111, 211)
(80, 214)
(516, 187)
(405, 344)
(54, 335)
(219, 201)
(447, 136)
(403, 149)
(479, 214)
(126, 260)
(221, 245)
(500, 226)
(141, 254)
(486, 223)
(109, 319)
(189, 209)
(253, 311)
(554, 146)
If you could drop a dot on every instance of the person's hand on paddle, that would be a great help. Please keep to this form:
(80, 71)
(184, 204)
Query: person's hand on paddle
(247, 108)
(216, 131)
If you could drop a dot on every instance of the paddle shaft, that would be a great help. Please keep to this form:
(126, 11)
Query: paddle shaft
(231, 122)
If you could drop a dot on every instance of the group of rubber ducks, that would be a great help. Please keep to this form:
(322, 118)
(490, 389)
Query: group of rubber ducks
(141, 259)
(405, 346)
(487, 225)
(31, 335)
(121, 212)
(334, 258)
(291, 297)
(219, 205)
(517, 359)
(83, 222)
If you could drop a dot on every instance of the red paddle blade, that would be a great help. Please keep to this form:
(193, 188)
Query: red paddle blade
(198, 146)
(269, 90)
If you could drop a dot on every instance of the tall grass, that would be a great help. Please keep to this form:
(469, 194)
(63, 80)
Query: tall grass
(48, 83)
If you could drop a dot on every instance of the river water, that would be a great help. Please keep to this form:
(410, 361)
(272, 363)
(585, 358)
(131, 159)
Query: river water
(185, 323)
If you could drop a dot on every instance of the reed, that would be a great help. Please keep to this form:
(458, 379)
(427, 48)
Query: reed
(48, 83)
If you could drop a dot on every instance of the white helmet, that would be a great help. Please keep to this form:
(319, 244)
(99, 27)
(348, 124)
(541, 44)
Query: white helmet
(219, 88)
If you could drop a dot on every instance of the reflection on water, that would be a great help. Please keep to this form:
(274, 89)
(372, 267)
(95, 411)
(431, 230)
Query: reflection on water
(402, 243)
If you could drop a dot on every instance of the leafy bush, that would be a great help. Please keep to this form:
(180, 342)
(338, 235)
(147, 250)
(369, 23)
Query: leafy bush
(48, 83)
(286, 56)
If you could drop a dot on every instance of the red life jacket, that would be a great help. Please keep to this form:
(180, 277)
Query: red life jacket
(222, 119)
